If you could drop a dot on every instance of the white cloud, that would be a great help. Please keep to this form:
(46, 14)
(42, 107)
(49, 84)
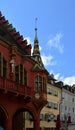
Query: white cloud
(67, 80)
(57, 76)
(54, 42)
(28, 40)
(48, 60)
(40, 48)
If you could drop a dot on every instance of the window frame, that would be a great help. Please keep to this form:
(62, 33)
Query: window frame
(3, 66)
(40, 83)
(20, 74)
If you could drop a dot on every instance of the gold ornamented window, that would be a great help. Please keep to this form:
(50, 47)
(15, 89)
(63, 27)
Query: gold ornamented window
(3, 66)
(40, 83)
(21, 74)
(25, 77)
(0, 64)
(44, 84)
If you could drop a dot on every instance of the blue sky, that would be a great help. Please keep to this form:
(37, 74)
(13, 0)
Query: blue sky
(56, 31)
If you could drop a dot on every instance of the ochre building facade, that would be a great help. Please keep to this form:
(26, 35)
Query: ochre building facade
(48, 116)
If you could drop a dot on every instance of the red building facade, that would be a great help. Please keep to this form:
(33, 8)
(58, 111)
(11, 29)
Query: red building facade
(22, 79)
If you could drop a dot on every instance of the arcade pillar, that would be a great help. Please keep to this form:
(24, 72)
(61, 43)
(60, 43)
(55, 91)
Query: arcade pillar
(37, 122)
(8, 124)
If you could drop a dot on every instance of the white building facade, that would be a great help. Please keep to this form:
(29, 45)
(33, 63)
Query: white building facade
(67, 104)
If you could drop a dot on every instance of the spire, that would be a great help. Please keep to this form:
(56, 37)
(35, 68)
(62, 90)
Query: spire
(36, 39)
(36, 43)
(36, 51)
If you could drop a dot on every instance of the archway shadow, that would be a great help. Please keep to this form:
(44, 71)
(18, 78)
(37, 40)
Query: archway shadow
(3, 116)
(23, 120)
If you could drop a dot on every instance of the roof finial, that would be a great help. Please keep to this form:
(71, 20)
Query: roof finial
(36, 22)
(36, 39)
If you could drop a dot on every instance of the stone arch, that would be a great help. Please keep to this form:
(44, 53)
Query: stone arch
(3, 116)
(20, 117)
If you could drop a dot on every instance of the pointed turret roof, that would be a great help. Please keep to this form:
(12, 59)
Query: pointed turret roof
(36, 51)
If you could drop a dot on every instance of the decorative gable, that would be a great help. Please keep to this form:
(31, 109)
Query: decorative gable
(36, 67)
(9, 33)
